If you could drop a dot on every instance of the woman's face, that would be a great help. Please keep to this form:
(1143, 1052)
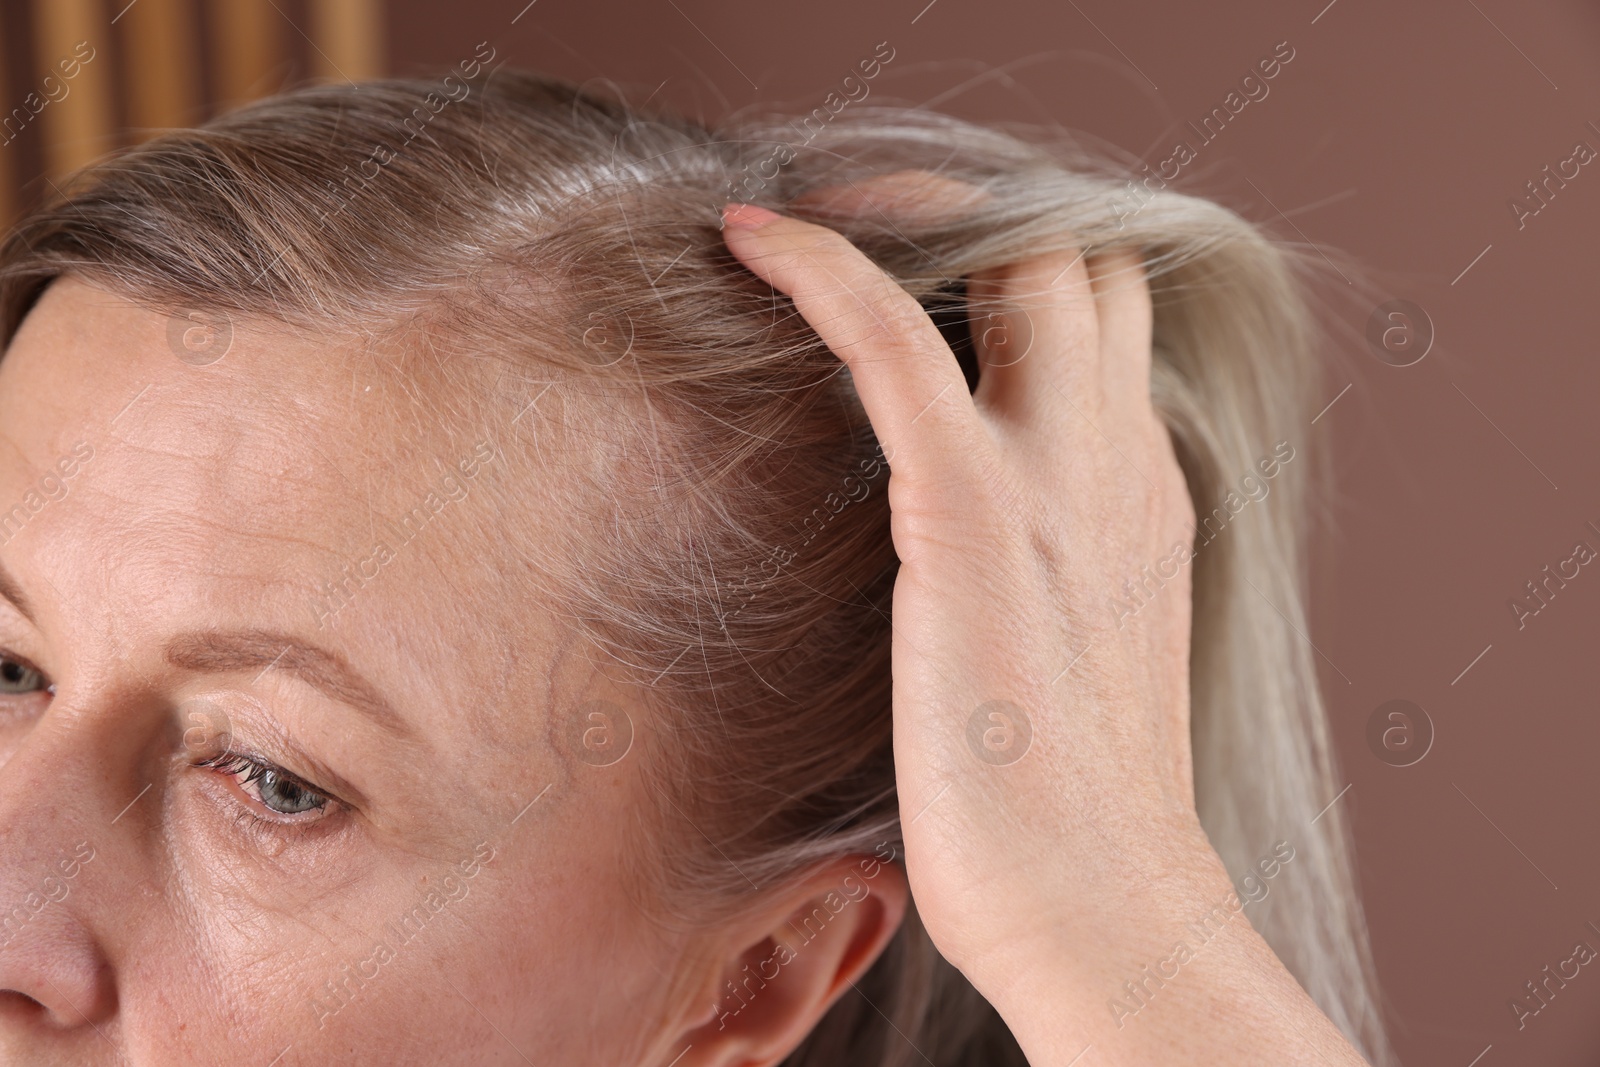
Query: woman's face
(302, 788)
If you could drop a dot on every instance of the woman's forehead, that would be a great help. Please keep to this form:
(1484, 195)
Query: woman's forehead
(302, 481)
(337, 429)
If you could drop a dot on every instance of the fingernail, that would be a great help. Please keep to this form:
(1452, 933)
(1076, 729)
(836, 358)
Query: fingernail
(747, 216)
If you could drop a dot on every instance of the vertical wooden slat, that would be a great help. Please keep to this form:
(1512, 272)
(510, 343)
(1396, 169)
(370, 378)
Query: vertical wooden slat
(347, 36)
(78, 126)
(8, 165)
(248, 37)
(20, 137)
(161, 69)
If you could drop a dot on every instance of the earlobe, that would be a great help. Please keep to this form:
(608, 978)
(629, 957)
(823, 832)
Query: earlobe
(819, 937)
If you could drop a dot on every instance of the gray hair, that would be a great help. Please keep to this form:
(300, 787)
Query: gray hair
(560, 229)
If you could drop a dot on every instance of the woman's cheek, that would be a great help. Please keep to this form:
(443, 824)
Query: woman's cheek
(325, 937)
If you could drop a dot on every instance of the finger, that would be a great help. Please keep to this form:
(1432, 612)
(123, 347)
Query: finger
(1126, 317)
(1037, 334)
(907, 377)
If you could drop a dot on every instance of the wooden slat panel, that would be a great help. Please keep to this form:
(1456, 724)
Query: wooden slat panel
(78, 126)
(249, 39)
(160, 69)
(347, 38)
(8, 155)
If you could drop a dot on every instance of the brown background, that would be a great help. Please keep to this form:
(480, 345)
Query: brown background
(1398, 134)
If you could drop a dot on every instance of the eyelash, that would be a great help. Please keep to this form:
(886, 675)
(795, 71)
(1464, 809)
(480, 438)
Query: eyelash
(254, 768)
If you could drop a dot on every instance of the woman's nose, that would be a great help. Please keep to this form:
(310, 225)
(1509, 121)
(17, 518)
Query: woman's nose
(52, 973)
(53, 969)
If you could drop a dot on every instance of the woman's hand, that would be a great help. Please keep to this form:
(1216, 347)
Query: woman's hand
(1033, 734)
(1041, 710)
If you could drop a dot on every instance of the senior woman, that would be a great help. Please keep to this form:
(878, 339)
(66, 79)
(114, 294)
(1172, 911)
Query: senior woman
(475, 595)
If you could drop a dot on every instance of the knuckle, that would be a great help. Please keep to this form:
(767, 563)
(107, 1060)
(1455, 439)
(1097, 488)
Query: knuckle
(897, 311)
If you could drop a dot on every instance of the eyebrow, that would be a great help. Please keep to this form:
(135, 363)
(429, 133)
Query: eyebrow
(220, 651)
(11, 591)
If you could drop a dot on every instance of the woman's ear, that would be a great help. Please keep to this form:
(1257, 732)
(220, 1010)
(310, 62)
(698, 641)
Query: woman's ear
(784, 968)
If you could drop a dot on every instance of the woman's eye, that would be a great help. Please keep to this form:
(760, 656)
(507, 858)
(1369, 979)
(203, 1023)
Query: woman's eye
(285, 795)
(17, 677)
(278, 791)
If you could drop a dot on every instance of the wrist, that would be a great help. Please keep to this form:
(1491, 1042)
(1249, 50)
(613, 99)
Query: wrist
(1111, 911)
(1160, 963)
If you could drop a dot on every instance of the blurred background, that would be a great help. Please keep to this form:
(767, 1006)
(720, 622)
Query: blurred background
(1444, 146)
